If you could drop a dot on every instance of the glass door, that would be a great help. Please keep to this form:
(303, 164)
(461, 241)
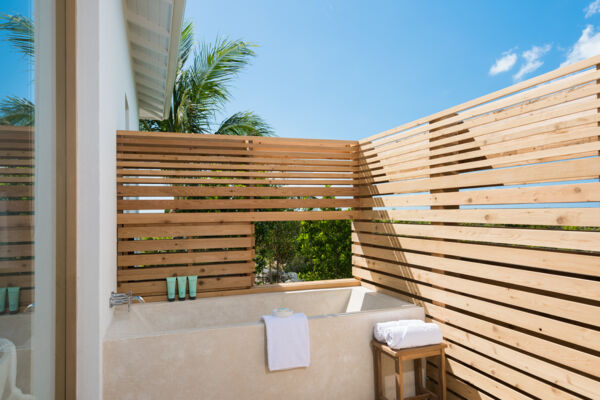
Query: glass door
(27, 199)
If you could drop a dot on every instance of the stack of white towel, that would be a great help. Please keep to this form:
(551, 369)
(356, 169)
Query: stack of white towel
(407, 333)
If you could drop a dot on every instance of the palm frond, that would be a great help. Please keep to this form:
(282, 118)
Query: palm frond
(17, 111)
(245, 124)
(20, 32)
(216, 65)
(186, 44)
(202, 88)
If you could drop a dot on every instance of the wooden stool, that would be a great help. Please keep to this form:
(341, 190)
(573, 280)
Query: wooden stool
(414, 353)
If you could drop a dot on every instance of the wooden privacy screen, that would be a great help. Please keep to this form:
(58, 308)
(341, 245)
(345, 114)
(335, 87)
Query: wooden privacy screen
(187, 202)
(16, 210)
(487, 214)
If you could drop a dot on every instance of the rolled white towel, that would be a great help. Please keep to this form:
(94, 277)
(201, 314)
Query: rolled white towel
(403, 337)
(381, 327)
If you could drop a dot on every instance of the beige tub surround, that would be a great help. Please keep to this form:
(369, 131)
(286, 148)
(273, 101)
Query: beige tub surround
(214, 348)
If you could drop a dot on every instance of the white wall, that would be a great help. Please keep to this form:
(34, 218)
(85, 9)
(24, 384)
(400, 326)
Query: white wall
(104, 78)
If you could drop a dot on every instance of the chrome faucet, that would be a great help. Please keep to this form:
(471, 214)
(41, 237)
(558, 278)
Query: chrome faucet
(117, 299)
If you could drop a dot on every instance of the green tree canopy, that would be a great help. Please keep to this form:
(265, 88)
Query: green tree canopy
(327, 248)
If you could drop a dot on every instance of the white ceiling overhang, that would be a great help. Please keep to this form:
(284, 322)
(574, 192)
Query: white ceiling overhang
(153, 30)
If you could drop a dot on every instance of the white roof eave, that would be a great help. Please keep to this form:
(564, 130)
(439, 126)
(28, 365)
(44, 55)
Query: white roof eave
(153, 31)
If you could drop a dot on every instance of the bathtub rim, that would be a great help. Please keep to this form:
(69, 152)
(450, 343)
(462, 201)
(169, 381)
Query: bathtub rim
(122, 309)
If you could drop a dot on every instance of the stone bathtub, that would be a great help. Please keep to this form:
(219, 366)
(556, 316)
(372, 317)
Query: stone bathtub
(214, 348)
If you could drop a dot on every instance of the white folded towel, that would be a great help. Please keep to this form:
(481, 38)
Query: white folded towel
(288, 344)
(403, 337)
(381, 327)
(8, 373)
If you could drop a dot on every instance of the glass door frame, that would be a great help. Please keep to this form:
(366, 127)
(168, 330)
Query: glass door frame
(54, 335)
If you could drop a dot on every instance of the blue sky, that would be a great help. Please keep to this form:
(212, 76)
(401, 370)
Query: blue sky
(15, 72)
(348, 69)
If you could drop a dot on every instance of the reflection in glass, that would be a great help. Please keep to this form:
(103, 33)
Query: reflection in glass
(16, 197)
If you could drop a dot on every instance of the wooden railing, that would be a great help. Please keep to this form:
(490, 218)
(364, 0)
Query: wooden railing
(485, 215)
(208, 190)
(16, 210)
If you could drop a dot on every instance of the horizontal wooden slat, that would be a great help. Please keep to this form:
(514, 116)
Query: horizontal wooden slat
(233, 160)
(546, 260)
(204, 284)
(16, 234)
(22, 280)
(240, 174)
(224, 138)
(567, 309)
(149, 273)
(524, 157)
(183, 244)
(581, 192)
(241, 181)
(527, 237)
(16, 266)
(174, 218)
(184, 230)
(535, 366)
(198, 143)
(262, 152)
(537, 216)
(494, 142)
(16, 191)
(183, 258)
(574, 169)
(16, 171)
(552, 328)
(226, 166)
(16, 250)
(233, 204)
(543, 281)
(230, 191)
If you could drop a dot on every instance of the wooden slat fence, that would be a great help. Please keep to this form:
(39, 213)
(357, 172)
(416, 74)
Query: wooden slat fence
(488, 215)
(16, 210)
(221, 254)
(187, 202)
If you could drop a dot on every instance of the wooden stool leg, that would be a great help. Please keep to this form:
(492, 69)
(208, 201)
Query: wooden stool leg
(378, 373)
(418, 376)
(442, 381)
(399, 380)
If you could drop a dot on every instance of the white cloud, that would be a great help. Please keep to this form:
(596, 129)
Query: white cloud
(587, 46)
(592, 8)
(504, 63)
(532, 60)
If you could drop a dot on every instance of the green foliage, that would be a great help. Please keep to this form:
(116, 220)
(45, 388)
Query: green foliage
(276, 244)
(244, 124)
(327, 247)
(15, 110)
(202, 89)
(19, 30)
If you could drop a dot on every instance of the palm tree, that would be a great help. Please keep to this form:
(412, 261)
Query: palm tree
(202, 89)
(16, 110)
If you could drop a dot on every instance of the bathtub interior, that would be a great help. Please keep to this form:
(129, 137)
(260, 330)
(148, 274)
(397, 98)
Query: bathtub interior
(214, 312)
